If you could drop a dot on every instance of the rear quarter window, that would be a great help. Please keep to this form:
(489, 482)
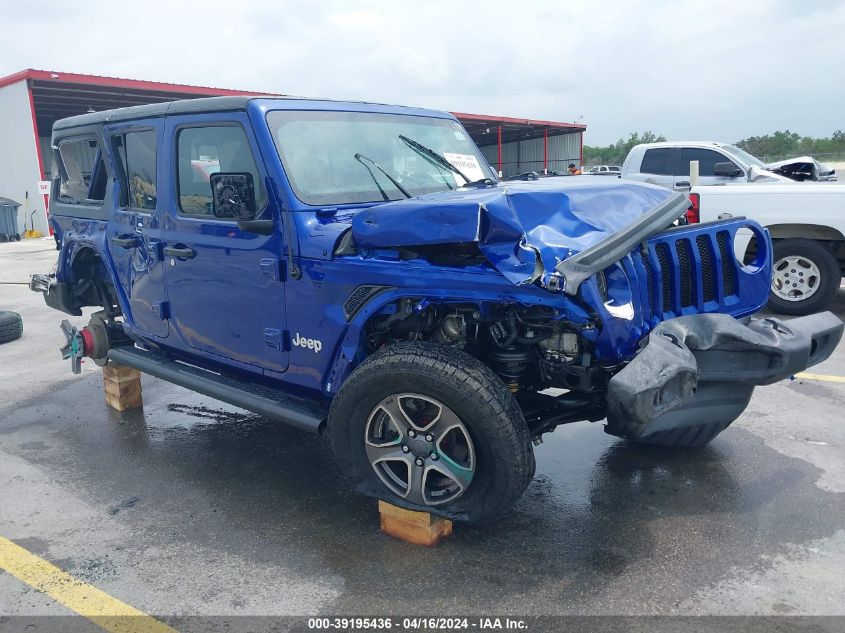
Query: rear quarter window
(81, 173)
(657, 161)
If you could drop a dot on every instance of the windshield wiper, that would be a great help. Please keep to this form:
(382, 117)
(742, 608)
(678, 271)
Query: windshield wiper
(427, 152)
(361, 158)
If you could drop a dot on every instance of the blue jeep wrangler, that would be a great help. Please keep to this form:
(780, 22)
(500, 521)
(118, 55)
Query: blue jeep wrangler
(359, 270)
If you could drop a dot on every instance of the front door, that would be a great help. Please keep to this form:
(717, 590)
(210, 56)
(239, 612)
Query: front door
(225, 286)
(134, 231)
(707, 160)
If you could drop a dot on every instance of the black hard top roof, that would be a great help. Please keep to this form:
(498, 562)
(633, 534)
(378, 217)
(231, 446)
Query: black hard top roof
(183, 106)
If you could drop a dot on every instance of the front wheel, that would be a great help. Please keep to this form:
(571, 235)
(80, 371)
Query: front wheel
(805, 277)
(433, 429)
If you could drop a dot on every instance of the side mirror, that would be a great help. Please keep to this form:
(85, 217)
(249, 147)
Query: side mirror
(234, 195)
(727, 169)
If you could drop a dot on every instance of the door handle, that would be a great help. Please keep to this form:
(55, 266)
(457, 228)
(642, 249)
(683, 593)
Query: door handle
(180, 252)
(682, 183)
(724, 216)
(125, 241)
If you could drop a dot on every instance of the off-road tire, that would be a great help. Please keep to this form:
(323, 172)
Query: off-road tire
(829, 272)
(11, 326)
(505, 458)
(687, 437)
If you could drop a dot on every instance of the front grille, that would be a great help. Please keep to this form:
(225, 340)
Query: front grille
(683, 249)
(708, 279)
(688, 273)
(649, 274)
(666, 274)
(727, 257)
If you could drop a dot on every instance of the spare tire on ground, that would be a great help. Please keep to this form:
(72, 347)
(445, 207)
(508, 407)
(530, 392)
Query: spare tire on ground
(11, 326)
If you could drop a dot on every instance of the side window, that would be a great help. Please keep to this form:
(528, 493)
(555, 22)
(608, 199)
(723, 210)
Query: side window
(706, 158)
(78, 164)
(203, 151)
(137, 154)
(657, 161)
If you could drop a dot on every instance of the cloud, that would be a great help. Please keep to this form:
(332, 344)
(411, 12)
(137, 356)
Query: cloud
(358, 20)
(718, 69)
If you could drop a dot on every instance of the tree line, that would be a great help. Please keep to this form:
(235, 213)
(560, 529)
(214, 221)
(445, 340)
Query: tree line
(769, 147)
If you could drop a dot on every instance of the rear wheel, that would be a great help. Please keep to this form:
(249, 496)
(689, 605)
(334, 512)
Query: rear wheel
(805, 277)
(433, 429)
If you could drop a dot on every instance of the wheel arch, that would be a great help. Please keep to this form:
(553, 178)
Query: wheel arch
(805, 231)
(350, 352)
(829, 236)
(81, 259)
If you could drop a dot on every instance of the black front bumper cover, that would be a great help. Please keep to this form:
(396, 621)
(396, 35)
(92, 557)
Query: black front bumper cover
(703, 368)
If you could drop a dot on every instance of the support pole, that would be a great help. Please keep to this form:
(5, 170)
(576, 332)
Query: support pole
(581, 155)
(693, 173)
(499, 135)
(546, 151)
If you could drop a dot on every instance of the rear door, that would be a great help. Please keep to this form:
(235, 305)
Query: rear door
(135, 230)
(658, 167)
(707, 159)
(224, 285)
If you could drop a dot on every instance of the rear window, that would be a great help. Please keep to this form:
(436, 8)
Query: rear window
(657, 161)
(137, 152)
(81, 171)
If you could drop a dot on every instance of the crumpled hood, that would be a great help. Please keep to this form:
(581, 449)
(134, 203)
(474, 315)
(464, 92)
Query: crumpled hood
(802, 168)
(513, 222)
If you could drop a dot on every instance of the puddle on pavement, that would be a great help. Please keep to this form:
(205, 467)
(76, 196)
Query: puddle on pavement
(602, 517)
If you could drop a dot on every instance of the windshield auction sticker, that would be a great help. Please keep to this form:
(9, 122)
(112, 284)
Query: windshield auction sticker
(467, 163)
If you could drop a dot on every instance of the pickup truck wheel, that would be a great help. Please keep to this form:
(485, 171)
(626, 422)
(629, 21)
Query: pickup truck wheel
(11, 326)
(432, 429)
(805, 277)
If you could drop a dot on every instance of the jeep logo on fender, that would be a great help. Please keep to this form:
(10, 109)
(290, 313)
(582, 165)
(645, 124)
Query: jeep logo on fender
(308, 343)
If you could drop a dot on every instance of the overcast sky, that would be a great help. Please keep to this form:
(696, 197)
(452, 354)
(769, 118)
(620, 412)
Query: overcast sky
(719, 70)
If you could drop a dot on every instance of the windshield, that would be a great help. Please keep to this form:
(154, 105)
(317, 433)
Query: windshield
(745, 157)
(319, 149)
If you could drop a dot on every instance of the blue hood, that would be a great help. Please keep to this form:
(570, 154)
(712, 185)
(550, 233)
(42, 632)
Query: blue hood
(513, 222)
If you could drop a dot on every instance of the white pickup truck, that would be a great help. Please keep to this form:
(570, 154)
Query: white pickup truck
(667, 164)
(807, 225)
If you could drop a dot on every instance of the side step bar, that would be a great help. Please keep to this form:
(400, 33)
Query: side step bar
(270, 402)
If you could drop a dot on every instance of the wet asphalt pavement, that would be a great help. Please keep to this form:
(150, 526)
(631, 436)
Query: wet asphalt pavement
(190, 506)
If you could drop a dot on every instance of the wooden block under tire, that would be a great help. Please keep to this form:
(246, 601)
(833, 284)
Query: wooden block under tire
(419, 528)
(122, 386)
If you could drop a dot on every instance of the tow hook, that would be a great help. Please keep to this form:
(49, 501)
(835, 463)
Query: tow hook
(79, 343)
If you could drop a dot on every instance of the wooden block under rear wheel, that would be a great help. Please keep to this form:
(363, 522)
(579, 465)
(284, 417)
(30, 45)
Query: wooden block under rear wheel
(420, 528)
(122, 386)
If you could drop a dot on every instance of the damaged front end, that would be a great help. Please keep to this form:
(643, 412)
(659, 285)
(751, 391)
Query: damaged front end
(803, 168)
(524, 230)
(698, 372)
(639, 321)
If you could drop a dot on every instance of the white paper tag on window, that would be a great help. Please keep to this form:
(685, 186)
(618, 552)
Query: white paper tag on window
(467, 163)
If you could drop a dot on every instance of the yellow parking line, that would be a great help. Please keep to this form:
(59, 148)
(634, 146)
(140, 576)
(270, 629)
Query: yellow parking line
(824, 377)
(86, 600)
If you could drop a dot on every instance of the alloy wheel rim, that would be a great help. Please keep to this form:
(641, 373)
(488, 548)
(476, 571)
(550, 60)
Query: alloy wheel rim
(795, 278)
(420, 449)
